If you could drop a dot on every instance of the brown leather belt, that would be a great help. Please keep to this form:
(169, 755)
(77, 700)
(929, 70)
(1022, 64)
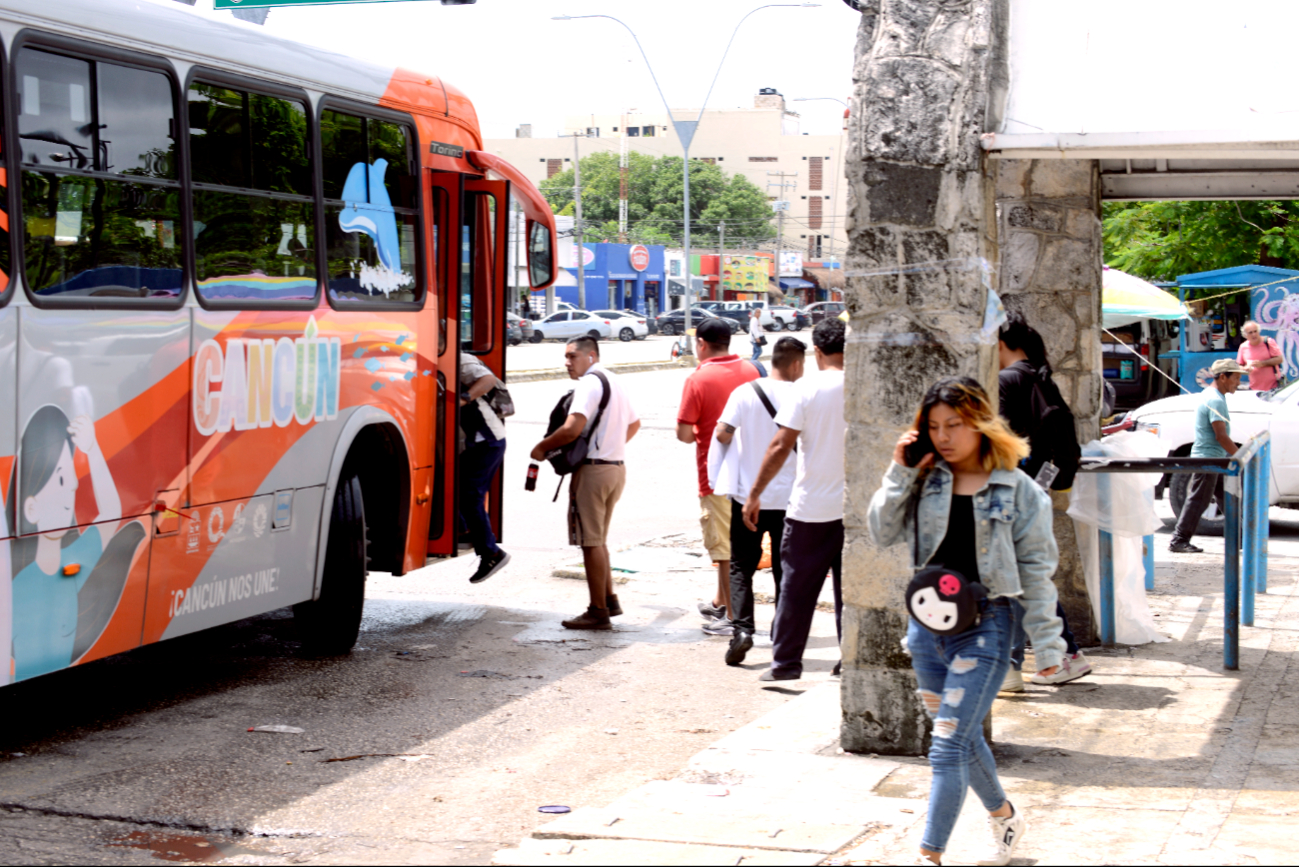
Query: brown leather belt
(601, 463)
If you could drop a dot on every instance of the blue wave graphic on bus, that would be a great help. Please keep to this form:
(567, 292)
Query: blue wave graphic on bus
(368, 211)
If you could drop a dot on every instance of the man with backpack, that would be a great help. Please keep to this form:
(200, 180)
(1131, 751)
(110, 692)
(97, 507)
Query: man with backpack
(1032, 405)
(745, 429)
(603, 419)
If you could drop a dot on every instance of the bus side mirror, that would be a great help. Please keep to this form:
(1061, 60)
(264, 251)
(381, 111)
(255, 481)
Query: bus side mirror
(541, 255)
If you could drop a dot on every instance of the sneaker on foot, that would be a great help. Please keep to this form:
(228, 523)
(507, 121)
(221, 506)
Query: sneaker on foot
(1185, 548)
(594, 618)
(1006, 834)
(771, 675)
(611, 603)
(712, 612)
(719, 627)
(1071, 668)
(838, 669)
(1014, 681)
(741, 644)
(489, 566)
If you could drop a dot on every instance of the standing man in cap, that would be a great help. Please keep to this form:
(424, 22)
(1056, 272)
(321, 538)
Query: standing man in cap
(1212, 440)
(719, 373)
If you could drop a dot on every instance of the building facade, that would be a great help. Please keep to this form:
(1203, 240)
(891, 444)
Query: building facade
(618, 277)
(762, 143)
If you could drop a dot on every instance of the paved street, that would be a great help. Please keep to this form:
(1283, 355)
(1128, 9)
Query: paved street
(549, 354)
(129, 759)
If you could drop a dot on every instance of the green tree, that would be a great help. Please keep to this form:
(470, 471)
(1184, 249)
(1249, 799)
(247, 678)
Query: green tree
(1161, 240)
(654, 201)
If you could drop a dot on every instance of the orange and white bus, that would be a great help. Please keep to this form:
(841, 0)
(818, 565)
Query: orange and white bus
(236, 273)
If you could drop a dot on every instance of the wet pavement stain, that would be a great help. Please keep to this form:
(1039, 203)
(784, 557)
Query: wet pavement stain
(191, 848)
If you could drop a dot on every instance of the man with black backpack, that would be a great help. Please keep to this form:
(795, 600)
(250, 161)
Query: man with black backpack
(1032, 405)
(592, 443)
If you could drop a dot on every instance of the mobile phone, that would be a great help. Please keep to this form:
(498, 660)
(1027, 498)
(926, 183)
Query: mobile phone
(918, 449)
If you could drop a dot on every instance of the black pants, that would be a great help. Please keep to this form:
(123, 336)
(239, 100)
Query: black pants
(746, 552)
(807, 552)
(1203, 488)
(478, 465)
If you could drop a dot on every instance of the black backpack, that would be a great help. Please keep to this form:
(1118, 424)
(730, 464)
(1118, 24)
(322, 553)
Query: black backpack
(1055, 438)
(567, 459)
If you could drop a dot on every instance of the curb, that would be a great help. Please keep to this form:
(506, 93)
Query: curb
(627, 367)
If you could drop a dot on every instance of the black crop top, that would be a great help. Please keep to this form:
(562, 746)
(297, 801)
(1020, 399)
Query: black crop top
(958, 550)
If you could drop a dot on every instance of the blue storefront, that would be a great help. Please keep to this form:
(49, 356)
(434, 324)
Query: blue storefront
(614, 279)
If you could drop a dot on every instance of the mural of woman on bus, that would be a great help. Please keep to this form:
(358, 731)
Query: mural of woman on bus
(66, 584)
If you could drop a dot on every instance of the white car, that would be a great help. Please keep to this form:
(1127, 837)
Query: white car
(1173, 421)
(772, 318)
(625, 326)
(568, 324)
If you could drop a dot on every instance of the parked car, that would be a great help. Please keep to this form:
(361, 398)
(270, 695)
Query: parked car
(625, 326)
(714, 306)
(823, 310)
(517, 329)
(791, 317)
(1173, 421)
(1130, 359)
(774, 318)
(571, 323)
(673, 322)
(650, 321)
(538, 310)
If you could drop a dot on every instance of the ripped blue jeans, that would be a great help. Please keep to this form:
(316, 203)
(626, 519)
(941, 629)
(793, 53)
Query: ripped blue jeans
(959, 678)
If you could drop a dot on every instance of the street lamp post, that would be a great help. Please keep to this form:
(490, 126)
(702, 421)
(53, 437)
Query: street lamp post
(685, 129)
(834, 193)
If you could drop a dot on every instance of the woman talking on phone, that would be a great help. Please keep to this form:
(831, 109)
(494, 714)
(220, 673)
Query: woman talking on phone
(983, 552)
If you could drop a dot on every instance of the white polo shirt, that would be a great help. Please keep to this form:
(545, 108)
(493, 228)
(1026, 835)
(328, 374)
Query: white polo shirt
(815, 410)
(609, 442)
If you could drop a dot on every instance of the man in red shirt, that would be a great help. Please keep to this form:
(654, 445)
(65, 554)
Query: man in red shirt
(702, 400)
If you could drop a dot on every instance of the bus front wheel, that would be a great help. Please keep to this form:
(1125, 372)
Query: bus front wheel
(329, 626)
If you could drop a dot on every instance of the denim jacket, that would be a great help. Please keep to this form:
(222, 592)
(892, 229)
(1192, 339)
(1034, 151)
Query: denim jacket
(1013, 528)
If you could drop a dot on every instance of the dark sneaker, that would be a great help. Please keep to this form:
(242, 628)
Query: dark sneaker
(594, 618)
(1185, 548)
(489, 566)
(712, 612)
(741, 643)
(838, 669)
(612, 604)
(774, 675)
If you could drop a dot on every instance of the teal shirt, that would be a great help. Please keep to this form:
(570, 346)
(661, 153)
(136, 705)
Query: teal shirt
(45, 609)
(1213, 407)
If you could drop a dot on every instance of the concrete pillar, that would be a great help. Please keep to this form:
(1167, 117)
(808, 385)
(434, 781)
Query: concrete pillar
(1049, 230)
(929, 79)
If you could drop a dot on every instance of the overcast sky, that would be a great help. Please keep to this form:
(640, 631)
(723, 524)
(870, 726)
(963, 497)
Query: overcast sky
(519, 66)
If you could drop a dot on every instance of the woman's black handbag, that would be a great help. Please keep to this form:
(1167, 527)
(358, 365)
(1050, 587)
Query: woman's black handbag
(941, 600)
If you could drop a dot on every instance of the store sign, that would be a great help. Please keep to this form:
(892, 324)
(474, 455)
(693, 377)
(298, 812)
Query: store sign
(639, 256)
(745, 274)
(791, 263)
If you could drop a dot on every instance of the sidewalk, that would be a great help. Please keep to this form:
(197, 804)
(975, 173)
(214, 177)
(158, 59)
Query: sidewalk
(1159, 757)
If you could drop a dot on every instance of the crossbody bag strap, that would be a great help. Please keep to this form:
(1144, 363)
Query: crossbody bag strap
(766, 402)
(604, 401)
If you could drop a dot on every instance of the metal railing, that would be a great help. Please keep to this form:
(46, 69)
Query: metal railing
(1246, 494)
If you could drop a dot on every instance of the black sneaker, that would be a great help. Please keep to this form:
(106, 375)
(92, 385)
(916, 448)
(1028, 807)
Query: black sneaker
(1185, 548)
(611, 603)
(741, 643)
(838, 669)
(489, 566)
(773, 675)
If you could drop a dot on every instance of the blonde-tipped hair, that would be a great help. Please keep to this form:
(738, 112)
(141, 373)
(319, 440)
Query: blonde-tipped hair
(1000, 448)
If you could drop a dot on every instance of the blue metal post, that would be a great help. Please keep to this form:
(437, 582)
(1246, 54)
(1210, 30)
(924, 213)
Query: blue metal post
(1107, 587)
(1231, 584)
(1263, 528)
(1148, 560)
(1249, 534)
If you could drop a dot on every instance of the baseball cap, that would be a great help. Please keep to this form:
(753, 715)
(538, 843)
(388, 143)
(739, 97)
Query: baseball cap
(714, 331)
(1226, 365)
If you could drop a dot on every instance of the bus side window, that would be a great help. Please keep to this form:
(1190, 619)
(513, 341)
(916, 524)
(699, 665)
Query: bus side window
(477, 263)
(441, 270)
(371, 210)
(100, 190)
(254, 211)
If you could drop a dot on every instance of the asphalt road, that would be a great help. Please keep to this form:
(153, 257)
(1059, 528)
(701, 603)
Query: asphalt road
(147, 756)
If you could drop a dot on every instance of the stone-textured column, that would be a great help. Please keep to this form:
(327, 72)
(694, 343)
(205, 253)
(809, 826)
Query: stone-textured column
(1049, 230)
(929, 79)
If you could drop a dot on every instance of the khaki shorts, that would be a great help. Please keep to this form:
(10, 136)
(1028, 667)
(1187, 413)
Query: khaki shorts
(715, 518)
(592, 493)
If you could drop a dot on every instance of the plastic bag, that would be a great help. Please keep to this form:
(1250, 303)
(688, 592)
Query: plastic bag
(1123, 504)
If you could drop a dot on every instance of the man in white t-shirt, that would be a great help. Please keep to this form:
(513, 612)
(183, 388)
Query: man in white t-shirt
(597, 485)
(746, 426)
(811, 418)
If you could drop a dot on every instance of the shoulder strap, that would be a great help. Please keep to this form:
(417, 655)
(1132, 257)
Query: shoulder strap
(604, 401)
(762, 396)
(1272, 344)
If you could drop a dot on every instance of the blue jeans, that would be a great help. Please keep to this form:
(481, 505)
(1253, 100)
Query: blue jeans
(478, 465)
(959, 678)
(757, 349)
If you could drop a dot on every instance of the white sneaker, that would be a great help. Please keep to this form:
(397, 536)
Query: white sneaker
(1006, 834)
(719, 627)
(1071, 668)
(1014, 681)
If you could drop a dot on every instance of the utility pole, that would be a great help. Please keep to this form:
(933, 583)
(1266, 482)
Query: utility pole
(782, 205)
(721, 253)
(622, 186)
(577, 227)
